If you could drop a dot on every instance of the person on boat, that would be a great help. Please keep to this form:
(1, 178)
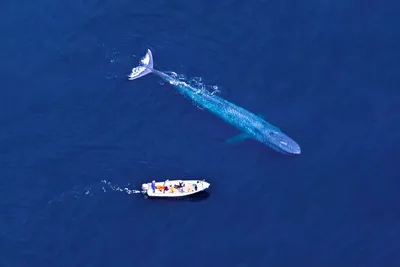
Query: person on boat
(181, 186)
(153, 186)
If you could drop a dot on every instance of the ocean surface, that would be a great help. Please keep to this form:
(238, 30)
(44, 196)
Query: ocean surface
(77, 138)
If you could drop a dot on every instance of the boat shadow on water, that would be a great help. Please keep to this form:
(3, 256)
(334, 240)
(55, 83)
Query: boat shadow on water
(198, 197)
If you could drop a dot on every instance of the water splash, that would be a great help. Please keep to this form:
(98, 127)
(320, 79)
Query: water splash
(196, 82)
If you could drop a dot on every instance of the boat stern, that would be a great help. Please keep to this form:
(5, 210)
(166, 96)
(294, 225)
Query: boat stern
(145, 187)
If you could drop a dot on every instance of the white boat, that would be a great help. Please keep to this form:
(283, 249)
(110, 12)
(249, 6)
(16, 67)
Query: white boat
(174, 188)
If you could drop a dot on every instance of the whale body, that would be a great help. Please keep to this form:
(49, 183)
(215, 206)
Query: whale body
(251, 125)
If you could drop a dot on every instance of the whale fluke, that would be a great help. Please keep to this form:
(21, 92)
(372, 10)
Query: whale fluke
(145, 66)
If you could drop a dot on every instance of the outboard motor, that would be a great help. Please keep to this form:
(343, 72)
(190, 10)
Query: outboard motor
(145, 187)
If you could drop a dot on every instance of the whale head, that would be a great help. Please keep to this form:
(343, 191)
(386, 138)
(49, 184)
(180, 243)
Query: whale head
(280, 142)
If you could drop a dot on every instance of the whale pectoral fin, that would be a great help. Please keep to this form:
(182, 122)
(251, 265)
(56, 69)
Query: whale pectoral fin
(238, 138)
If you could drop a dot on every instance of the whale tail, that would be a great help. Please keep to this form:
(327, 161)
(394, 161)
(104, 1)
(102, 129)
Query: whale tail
(145, 67)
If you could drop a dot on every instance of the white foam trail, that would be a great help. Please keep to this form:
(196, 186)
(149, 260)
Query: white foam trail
(88, 191)
(117, 188)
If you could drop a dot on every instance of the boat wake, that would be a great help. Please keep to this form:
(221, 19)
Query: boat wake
(102, 187)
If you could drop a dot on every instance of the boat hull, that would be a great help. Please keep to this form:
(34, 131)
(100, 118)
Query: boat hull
(171, 188)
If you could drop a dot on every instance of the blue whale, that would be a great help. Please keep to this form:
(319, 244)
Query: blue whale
(252, 126)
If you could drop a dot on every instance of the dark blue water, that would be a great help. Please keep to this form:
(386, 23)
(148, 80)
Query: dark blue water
(75, 132)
